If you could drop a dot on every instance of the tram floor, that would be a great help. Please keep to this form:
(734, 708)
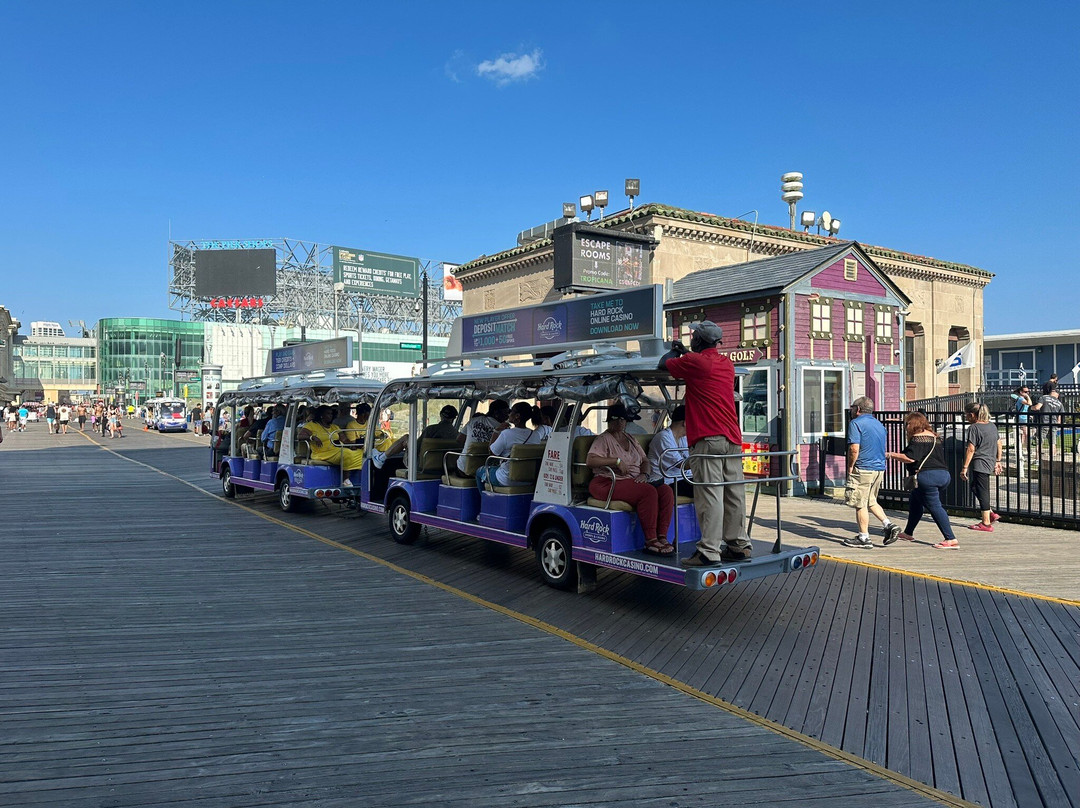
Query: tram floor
(965, 689)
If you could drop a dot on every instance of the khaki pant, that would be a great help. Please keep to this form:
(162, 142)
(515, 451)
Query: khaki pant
(721, 510)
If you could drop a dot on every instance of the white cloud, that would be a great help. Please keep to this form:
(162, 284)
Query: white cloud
(511, 67)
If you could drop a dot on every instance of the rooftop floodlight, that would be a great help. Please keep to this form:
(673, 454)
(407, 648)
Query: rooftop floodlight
(569, 210)
(586, 204)
(834, 227)
(600, 198)
(632, 188)
(806, 219)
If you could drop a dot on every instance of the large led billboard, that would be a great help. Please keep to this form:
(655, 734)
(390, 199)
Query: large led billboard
(235, 272)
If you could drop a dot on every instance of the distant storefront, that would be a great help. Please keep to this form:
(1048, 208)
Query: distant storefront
(1010, 359)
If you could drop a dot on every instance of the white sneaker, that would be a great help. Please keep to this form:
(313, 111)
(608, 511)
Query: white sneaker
(378, 458)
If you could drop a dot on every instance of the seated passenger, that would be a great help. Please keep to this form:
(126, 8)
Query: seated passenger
(507, 438)
(482, 428)
(351, 430)
(615, 450)
(579, 430)
(272, 428)
(443, 430)
(666, 464)
(244, 426)
(321, 434)
(543, 423)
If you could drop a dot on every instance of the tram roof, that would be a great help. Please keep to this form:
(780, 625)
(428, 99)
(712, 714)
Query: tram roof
(316, 386)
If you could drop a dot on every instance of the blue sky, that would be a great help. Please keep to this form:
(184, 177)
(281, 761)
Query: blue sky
(441, 130)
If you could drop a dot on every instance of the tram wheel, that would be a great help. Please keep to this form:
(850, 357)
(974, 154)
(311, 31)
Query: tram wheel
(286, 500)
(399, 517)
(227, 487)
(553, 552)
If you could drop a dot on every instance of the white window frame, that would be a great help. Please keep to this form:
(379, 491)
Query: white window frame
(808, 436)
(821, 314)
(752, 323)
(854, 322)
(883, 325)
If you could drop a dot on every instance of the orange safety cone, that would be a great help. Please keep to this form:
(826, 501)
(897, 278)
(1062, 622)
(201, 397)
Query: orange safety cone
(145, 428)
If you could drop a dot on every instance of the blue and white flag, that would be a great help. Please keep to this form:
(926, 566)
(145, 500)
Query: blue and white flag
(964, 358)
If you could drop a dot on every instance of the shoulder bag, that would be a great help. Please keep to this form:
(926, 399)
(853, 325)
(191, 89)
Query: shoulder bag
(912, 482)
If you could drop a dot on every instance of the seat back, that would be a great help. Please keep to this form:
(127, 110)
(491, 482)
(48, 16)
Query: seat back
(474, 458)
(431, 454)
(303, 452)
(579, 472)
(644, 441)
(525, 462)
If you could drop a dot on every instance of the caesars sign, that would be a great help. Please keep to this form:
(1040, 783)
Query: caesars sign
(376, 273)
(597, 258)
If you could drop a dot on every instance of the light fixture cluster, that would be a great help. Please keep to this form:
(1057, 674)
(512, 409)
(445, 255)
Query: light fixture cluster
(599, 199)
(791, 191)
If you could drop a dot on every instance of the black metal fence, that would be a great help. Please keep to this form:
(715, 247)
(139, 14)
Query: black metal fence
(998, 399)
(1039, 480)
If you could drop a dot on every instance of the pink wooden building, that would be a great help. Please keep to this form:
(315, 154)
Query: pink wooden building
(815, 329)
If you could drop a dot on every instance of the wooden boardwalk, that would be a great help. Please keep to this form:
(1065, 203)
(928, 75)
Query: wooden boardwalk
(161, 647)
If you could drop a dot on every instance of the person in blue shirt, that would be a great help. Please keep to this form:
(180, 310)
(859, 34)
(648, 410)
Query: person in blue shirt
(866, 470)
(272, 428)
(668, 450)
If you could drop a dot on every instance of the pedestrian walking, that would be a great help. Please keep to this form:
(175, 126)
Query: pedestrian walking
(866, 469)
(64, 415)
(11, 415)
(80, 413)
(24, 413)
(50, 417)
(714, 436)
(925, 459)
(1021, 399)
(1048, 415)
(982, 457)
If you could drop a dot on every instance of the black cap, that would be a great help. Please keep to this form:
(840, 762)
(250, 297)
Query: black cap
(620, 411)
(679, 413)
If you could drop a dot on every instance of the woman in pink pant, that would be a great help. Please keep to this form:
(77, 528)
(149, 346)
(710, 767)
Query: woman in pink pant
(622, 457)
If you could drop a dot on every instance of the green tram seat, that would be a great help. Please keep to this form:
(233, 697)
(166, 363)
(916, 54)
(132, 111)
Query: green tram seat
(432, 451)
(474, 460)
(524, 469)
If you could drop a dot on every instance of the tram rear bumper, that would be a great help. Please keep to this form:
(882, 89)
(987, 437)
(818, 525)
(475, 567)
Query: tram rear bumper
(761, 566)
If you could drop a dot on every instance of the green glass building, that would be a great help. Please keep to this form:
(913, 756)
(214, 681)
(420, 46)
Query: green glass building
(141, 349)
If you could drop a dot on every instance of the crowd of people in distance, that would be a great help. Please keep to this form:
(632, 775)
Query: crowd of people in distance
(60, 417)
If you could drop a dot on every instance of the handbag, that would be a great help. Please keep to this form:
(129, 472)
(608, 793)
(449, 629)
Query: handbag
(912, 482)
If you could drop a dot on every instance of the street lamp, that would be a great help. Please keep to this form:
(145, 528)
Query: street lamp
(339, 287)
(421, 308)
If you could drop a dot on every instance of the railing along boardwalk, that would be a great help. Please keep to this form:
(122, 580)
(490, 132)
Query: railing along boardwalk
(159, 646)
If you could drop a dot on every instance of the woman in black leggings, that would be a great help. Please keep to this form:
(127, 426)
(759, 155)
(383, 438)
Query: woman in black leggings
(982, 458)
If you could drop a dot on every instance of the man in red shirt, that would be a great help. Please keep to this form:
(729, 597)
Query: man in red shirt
(712, 428)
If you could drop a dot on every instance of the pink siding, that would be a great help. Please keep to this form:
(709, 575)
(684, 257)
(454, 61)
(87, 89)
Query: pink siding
(832, 278)
(809, 472)
(891, 392)
(729, 317)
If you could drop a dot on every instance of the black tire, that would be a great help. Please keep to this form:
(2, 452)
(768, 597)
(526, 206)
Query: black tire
(553, 554)
(399, 519)
(286, 501)
(228, 490)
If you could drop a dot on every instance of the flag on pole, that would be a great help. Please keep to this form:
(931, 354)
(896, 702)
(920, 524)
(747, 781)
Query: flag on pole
(1076, 373)
(964, 358)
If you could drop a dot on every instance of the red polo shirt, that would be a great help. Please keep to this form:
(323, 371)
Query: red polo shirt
(710, 395)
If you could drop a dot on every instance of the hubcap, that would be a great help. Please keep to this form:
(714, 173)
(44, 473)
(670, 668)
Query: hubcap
(401, 520)
(226, 482)
(554, 559)
(285, 494)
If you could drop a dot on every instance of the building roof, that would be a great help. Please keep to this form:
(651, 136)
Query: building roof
(771, 231)
(766, 274)
(1035, 337)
